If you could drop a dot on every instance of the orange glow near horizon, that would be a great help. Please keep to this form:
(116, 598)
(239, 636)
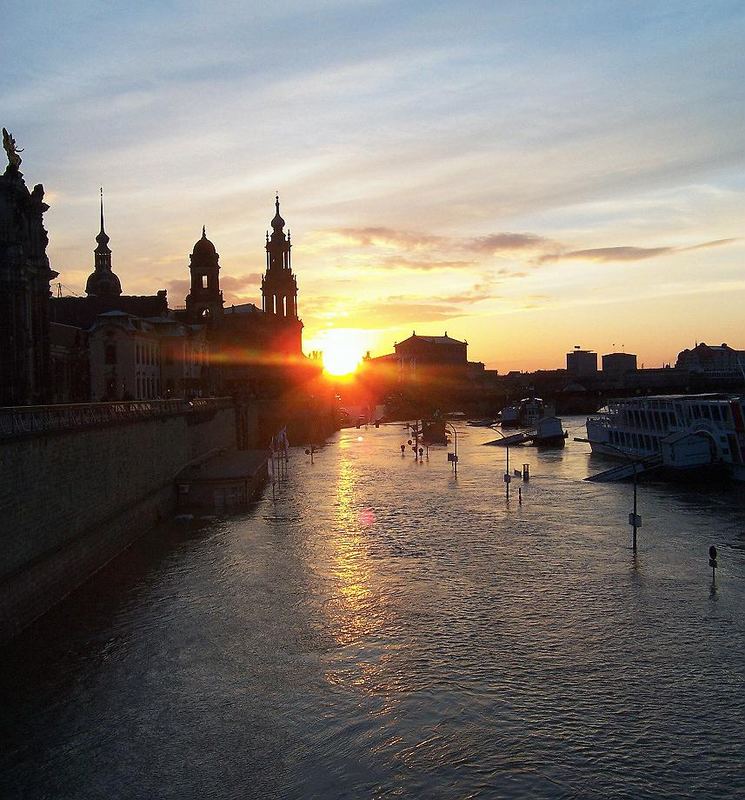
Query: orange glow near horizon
(342, 351)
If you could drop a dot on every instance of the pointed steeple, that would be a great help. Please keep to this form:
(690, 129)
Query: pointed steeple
(103, 282)
(277, 223)
(102, 238)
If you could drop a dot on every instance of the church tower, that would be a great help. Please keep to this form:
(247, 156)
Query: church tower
(102, 282)
(204, 300)
(279, 285)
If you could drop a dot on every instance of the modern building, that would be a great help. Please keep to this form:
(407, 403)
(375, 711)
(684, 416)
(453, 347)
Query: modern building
(618, 363)
(581, 363)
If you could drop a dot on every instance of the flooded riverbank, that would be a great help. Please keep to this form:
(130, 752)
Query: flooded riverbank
(386, 630)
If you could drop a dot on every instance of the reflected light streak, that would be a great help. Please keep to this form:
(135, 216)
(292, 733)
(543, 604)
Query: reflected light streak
(356, 611)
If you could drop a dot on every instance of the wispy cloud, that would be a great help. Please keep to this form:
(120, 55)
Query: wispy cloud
(626, 252)
(508, 242)
(383, 237)
(402, 262)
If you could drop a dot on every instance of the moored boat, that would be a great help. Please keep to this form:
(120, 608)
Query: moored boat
(549, 432)
(687, 432)
(524, 414)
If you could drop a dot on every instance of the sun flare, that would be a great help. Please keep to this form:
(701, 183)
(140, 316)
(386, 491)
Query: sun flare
(342, 351)
(340, 361)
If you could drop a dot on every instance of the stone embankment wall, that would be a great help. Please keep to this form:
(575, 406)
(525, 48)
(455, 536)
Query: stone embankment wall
(72, 498)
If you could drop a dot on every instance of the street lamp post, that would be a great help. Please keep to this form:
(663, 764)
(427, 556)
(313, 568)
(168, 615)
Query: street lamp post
(455, 439)
(634, 519)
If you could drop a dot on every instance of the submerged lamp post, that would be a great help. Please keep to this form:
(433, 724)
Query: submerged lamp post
(635, 519)
(453, 456)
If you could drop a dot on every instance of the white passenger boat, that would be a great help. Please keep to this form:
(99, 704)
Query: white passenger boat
(524, 414)
(686, 431)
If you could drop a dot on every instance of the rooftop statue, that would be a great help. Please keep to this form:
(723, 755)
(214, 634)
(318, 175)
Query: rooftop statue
(9, 143)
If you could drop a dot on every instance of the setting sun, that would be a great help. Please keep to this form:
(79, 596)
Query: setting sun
(342, 350)
(340, 361)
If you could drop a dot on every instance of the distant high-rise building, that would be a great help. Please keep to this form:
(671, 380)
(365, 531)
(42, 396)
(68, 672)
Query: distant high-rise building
(581, 363)
(618, 363)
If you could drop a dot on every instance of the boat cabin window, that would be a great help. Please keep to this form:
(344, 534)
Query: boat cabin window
(705, 411)
(715, 413)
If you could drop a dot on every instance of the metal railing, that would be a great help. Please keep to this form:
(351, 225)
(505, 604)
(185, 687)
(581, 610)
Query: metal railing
(30, 420)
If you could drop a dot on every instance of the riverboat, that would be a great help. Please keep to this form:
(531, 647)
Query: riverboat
(684, 432)
(524, 414)
(549, 432)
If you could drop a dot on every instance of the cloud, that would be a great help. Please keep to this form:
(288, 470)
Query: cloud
(234, 288)
(252, 281)
(401, 262)
(714, 243)
(507, 242)
(387, 237)
(626, 252)
(623, 253)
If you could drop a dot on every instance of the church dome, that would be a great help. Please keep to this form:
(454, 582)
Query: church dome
(204, 246)
(103, 284)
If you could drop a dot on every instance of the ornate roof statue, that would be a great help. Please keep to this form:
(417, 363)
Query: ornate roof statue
(9, 143)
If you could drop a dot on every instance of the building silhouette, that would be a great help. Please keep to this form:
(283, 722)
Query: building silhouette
(204, 302)
(714, 361)
(104, 293)
(582, 363)
(102, 282)
(25, 374)
(618, 363)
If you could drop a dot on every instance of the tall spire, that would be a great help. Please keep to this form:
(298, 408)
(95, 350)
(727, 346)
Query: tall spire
(102, 281)
(102, 238)
(277, 223)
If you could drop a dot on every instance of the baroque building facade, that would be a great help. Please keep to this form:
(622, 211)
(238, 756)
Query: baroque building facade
(25, 367)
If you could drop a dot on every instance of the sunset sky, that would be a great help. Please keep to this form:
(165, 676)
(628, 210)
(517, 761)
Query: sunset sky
(528, 176)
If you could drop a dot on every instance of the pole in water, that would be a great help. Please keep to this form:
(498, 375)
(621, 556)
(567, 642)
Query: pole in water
(520, 495)
(713, 563)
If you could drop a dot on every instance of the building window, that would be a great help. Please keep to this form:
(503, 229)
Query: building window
(204, 281)
(110, 354)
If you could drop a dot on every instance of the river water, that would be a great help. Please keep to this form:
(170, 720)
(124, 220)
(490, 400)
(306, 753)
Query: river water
(387, 630)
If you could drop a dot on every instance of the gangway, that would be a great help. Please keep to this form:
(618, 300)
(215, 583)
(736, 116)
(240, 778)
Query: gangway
(515, 439)
(621, 472)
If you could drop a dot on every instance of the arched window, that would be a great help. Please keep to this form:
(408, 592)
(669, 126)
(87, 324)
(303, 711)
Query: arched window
(110, 354)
